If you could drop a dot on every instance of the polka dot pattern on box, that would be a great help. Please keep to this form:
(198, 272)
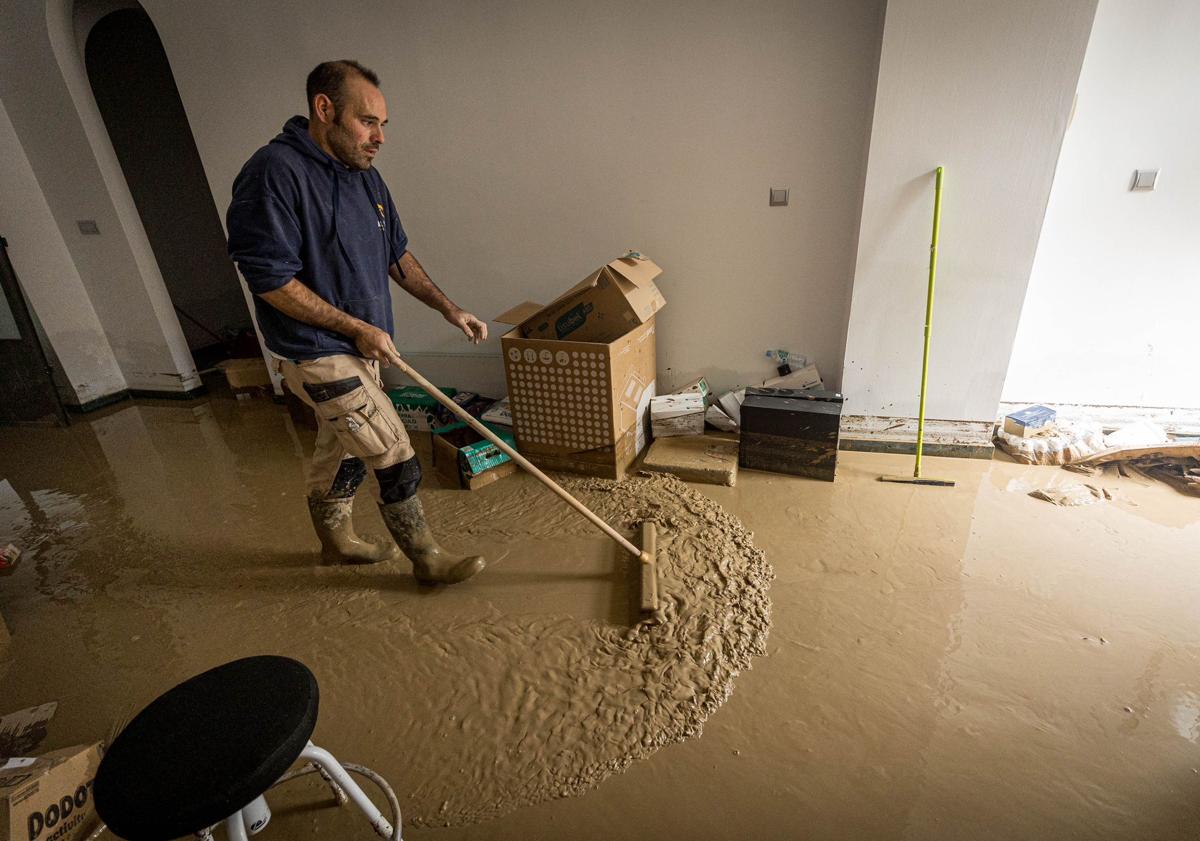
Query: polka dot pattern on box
(560, 398)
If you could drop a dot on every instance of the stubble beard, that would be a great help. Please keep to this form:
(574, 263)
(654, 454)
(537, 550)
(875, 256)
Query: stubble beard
(345, 150)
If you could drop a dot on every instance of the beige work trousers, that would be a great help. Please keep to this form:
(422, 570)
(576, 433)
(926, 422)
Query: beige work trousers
(360, 421)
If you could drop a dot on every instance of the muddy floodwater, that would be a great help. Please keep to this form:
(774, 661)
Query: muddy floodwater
(844, 661)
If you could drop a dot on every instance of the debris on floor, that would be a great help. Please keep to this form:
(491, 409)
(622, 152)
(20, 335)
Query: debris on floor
(9, 556)
(1061, 442)
(1141, 433)
(1073, 494)
(731, 404)
(21, 732)
(711, 458)
(715, 417)
(1175, 463)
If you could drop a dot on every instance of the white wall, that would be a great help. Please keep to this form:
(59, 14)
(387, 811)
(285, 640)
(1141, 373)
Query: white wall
(45, 91)
(1111, 314)
(985, 90)
(531, 142)
(48, 276)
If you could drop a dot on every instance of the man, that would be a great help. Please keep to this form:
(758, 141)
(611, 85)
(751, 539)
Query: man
(313, 229)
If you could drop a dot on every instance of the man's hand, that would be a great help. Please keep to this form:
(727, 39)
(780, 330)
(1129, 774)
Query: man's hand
(475, 329)
(374, 343)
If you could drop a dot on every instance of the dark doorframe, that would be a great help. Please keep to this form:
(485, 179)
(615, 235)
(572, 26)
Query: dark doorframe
(27, 390)
(138, 99)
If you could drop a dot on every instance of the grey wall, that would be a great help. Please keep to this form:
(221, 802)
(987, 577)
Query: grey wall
(531, 142)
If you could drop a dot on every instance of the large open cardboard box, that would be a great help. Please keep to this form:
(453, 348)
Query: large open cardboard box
(581, 403)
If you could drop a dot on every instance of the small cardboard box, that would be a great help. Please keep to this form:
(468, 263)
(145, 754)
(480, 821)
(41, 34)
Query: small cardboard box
(417, 410)
(677, 414)
(579, 405)
(473, 404)
(500, 413)
(1029, 421)
(603, 306)
(245, 374)
(463, 457)
(49, 796)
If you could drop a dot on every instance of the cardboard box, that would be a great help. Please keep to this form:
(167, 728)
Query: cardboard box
(465, 458)
(22, 732)
(1029, 421)
(49, 796)
(500, 413)
(791, 431)
(677, 414)
(245, 374)
(473, 404)
(583, 406)
(731, 404)
(604, 306)
(699, 386)
(417, 410)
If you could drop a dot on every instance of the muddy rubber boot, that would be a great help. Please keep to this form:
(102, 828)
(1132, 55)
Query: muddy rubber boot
(431, 563)
(340, 544)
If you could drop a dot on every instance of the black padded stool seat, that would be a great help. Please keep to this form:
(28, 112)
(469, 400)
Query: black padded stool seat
(206, 748)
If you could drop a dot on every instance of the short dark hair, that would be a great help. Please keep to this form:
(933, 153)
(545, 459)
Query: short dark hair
(329, 78)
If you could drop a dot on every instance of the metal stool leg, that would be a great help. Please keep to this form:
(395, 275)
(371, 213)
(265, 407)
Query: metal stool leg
(235, 828)
(324, 759)
(338, 794)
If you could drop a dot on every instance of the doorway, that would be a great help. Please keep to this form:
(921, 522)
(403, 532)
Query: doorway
(27, 390)
(139, 102)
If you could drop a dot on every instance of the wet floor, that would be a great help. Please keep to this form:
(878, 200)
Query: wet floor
(952, 663)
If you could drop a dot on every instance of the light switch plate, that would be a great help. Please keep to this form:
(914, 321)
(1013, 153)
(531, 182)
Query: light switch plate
(1144, 179)
(779, 197)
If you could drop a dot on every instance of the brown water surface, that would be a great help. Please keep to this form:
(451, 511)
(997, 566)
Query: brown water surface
(952, 663)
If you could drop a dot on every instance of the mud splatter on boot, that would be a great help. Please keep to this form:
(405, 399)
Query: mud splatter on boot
(340, 544)
(431, 563)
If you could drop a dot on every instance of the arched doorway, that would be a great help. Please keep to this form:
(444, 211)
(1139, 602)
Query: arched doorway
(135, 91)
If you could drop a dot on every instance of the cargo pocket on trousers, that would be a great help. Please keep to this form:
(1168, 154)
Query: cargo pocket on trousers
(363, 429)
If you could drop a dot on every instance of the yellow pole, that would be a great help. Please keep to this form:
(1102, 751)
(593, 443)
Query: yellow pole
(937, 219)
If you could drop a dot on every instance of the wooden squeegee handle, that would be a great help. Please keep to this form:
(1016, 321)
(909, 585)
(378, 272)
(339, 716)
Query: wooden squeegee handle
(464, 416)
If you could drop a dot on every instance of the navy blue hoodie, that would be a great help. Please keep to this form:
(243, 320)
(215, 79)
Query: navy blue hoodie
(298, 212)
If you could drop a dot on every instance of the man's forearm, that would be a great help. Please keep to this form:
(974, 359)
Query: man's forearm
(301, 303)
(411, 277)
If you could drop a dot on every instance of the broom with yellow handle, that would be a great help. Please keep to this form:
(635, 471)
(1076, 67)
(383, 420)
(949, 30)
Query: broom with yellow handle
(917, 478)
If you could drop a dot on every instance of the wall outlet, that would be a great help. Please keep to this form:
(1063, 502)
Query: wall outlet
(1144, 179)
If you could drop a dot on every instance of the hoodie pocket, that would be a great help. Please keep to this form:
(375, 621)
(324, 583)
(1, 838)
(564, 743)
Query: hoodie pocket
(371, 310)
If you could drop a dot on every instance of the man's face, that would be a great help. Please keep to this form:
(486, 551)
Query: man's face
(357, 130)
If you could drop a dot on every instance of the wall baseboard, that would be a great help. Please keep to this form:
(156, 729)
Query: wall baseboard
(97, 403)
(134, 394)
(154, 394)
(949, 438)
